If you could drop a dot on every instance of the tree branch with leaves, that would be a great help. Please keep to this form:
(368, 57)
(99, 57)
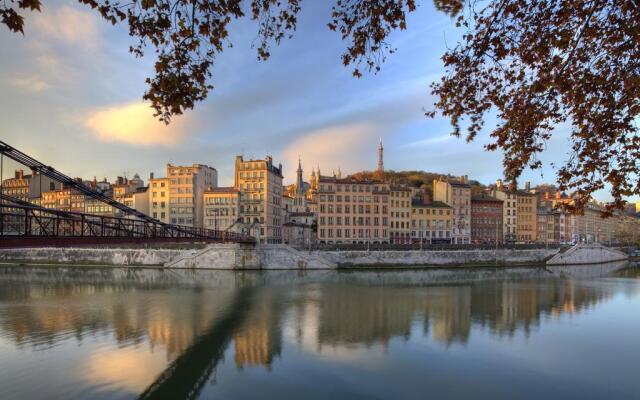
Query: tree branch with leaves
(536, 64)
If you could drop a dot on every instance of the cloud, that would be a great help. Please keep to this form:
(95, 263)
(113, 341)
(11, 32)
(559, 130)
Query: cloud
(29, 83)
(134, 124)
(68, 25)
(428, 141)
(349, 147)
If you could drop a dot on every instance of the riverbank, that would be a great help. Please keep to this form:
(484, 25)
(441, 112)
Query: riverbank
(270, 257)
(283, 257)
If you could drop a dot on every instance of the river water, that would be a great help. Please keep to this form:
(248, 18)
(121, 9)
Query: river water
(480, 333)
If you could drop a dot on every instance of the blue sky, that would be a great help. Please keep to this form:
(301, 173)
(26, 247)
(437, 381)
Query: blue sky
(71, 96)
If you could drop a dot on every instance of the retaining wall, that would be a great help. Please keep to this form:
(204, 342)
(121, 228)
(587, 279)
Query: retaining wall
(237, 256)
(587, 253)
(83, 255)
(444, 257)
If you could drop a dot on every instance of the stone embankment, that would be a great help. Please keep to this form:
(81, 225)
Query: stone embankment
(245, 257)
(587, 253)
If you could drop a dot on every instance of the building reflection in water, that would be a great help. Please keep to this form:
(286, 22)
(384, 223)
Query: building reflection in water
(259, 339)
(322, 317)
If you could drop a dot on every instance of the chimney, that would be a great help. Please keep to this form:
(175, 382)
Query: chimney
(19, 174)
(546, 195)
(426, 199)
(150, 175)
(464, 179)
(499, 184)
(527, 186)
(558, 194)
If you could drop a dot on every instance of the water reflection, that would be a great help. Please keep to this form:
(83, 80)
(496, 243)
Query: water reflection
(160, 334)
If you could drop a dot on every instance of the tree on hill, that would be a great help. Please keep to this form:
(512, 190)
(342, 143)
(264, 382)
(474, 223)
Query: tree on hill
(536, 63)
(416, 179)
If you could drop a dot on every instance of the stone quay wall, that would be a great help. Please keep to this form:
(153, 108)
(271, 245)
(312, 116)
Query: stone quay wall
(239, 257)
(587, 253)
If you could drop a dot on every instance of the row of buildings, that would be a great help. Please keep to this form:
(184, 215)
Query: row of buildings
(335, 209)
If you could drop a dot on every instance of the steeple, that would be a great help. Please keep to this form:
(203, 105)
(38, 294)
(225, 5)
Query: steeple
(380, 161)
(299, 180)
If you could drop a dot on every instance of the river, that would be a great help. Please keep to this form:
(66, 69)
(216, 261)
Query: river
(527, 333)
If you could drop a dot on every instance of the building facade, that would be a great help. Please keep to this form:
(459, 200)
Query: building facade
(509, 199)
(260, 184)
(137, 199)
(187, 185)
(28, 187)
(353, 211)
(400, 214)
(527, 204)
(456, 194)
(431, 222)
(159, 196)
(221, 208)
(486, 220)
(65, 199)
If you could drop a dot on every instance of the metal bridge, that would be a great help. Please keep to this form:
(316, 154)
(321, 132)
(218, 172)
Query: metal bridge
(23, 224)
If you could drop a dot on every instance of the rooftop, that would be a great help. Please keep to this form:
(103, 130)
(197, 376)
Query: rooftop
(433, 204)
(222, 189)
(349, 180)
(485, 197)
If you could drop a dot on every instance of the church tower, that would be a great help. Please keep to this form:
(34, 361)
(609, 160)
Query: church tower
(299, 180)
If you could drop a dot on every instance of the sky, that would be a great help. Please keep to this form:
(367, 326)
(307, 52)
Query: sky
(71, 96)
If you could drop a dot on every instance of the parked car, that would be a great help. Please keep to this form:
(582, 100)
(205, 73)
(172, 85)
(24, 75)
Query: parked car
(635, 253)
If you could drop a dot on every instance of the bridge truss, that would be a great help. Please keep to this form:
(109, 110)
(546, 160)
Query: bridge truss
(26, 224)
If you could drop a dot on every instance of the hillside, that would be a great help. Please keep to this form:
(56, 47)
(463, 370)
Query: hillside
(417, 179)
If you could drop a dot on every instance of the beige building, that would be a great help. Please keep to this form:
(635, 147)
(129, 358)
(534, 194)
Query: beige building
(456, 194)
(159, 196)
(124, 186)
(431, 221)
(187, 185)
(260, 184)
(400, 216)
(554, 224)
(509, 197)
(352, 211)
(28, 187)
(221, 208)
(64, 199)
(527, 215)
(520, 208)
(591, 227)
(97, 207)
(138, 199)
